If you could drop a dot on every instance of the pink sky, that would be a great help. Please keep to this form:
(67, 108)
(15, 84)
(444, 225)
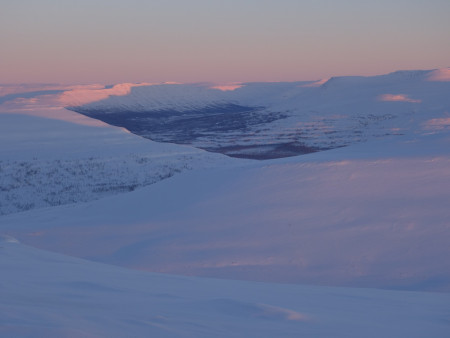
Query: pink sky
(214, 41)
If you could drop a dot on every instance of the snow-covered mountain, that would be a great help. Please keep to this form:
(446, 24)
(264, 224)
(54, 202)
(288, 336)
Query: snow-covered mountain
(372, 214)
(270, 120)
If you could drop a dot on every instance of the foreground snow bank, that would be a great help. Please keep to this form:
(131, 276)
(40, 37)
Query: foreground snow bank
(45, 294)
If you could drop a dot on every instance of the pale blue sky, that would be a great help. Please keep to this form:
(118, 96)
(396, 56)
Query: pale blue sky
(220, 41)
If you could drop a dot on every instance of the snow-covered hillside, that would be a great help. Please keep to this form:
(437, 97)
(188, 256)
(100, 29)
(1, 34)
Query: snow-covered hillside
(270, 120)
(46, 162)
(372, 215)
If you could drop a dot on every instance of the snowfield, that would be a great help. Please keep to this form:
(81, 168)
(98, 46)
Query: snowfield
(104, 233)
(49, 295)
(332, 218)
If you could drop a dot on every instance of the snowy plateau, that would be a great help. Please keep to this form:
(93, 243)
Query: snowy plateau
(300, 209)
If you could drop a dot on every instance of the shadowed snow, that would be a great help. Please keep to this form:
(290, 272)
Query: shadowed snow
(45, 294)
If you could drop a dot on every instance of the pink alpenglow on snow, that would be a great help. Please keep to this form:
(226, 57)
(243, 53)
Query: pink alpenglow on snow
(442, 74)
(438, 124)
(53, 105)
(398, 97)
(316, 83)
(84, 95)
(227, 87)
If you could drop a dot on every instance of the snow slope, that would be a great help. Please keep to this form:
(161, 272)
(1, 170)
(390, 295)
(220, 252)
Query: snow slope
(372, 215)
(46, 161)
(49, 295)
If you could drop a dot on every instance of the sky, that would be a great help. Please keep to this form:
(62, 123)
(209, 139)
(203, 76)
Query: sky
(113, 41)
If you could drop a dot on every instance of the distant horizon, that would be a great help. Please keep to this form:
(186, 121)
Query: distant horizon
(212, 82)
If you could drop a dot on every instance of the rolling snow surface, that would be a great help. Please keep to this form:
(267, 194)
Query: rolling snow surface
(49, 295)
(376, 220)
(84, 206)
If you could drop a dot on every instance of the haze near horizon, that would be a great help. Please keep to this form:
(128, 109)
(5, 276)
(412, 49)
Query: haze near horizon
(213, 41)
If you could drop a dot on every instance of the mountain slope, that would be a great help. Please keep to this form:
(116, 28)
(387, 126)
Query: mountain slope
(271, 120)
